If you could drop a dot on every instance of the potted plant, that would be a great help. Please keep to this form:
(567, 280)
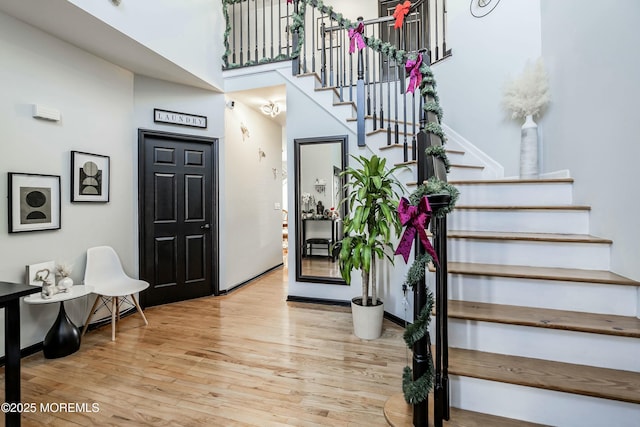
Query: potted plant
(369, 227)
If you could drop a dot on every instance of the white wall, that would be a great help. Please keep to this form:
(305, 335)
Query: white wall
(591, 127)
(487, 52)
(95, 100)
(187, 32)
(252, 224)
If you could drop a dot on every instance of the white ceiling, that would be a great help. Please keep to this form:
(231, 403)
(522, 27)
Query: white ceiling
(256, 98)
(67, 22)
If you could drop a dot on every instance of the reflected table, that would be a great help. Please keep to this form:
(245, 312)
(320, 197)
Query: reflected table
(316, 240)
(10, 294)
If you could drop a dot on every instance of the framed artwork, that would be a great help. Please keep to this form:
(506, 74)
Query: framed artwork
(37, 273)
(90, 175)
(34, 202)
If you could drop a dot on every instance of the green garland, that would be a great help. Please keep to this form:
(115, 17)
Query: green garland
(415, 391)
(439, 152)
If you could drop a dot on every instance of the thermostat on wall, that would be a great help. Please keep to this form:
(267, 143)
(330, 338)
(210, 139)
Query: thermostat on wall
(47, 113)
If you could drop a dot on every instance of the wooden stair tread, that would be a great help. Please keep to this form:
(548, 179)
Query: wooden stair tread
(546, 318)
(400, 414)
(538, 237)
(453, 165)
(512, 181)
(399, 146)
(540, 273)
(559, 376)
(526, 207)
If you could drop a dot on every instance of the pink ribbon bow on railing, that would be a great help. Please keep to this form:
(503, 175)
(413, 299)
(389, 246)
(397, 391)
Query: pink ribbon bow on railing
(413, 69)
(289, 1)
(416, 220)
(400, 12)
(355, 34)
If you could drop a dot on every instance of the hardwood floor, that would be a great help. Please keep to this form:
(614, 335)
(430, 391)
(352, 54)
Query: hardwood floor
(245, 359)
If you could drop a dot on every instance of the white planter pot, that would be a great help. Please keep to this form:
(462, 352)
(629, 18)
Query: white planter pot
(529, 149)
(367, 320)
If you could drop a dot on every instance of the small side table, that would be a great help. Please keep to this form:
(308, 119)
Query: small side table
(63, 338)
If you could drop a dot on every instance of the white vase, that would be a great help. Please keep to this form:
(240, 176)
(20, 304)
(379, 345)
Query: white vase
(367, 320)
(529, 149)
(65, 284)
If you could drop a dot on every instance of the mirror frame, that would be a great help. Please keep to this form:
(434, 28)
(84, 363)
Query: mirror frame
(298, 143)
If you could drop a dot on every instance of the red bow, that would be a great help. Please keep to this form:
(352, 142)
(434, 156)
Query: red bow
(401, 11)
(289, 1)
(355, 34)
(413, 68)
(416, 219)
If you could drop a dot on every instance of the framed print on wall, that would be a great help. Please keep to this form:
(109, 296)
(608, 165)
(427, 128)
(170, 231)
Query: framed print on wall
(90, 175)
(34, 202)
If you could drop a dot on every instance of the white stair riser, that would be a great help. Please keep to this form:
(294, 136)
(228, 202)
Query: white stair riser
(605, 351)
(539, 254)
(524, 220)
(573, 296)
(515, 194)
(540, 406)
(462, 173)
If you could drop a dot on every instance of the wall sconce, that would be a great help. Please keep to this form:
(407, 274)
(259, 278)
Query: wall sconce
(271, 109)
(320, 185)
(261, 154)
(244, 130)
(230, 105)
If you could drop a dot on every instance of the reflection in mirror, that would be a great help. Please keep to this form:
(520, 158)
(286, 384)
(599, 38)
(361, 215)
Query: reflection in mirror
(319, 189)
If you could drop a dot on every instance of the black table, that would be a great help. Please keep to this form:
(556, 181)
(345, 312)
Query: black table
(10, 294)
(327, 241)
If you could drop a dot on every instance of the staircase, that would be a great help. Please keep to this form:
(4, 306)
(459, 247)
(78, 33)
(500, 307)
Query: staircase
(540, 330)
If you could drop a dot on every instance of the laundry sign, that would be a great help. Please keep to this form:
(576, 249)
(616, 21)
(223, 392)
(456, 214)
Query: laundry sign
(181, 119)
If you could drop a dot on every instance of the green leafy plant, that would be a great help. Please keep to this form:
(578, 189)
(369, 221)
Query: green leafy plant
(371, 224)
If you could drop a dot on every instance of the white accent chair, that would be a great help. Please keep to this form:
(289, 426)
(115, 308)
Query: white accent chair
(109, 281)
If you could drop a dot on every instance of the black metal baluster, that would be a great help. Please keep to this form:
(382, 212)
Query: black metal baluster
(330, 58)
(241, 33)
(389, 99)
(341, 65)
(264, 30)
(313, 39)
(405, 144)
(351, 77)
(360, 104)
(279, 28)
(368, 83)
(437, 52)
(373, 72)
(323, 55)
(288, 30)
(256, 24)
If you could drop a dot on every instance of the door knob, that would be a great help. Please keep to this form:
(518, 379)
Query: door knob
(205, 227)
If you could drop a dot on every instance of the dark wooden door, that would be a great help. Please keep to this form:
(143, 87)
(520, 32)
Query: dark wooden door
(178, 216)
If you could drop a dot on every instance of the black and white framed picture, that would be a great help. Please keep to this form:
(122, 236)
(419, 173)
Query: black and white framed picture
(90, 176)
(34, 202)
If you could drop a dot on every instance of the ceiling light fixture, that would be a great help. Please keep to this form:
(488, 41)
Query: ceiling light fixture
(271, 109)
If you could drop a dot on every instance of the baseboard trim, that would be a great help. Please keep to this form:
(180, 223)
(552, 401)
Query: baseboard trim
(246, 282)
(323, 301)
(24, 352)
(310, 300)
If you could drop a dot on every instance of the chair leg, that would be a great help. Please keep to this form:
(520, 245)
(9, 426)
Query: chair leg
(86, 324)
(135, 301)
(114, 303)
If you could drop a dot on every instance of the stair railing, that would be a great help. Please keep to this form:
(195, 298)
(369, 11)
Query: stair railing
(379, 78)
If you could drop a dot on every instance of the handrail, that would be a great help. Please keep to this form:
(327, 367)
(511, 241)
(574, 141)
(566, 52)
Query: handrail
(379, 76)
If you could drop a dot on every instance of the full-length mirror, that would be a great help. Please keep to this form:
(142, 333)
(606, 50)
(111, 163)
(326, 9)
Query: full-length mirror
(319, 190)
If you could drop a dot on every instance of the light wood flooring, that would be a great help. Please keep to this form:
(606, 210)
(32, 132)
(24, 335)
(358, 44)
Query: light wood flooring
(245, 359)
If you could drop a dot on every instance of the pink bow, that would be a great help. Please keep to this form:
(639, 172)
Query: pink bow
(400, 12)
(355, 34)
(289, 1)
(413, 68)
(416, 219)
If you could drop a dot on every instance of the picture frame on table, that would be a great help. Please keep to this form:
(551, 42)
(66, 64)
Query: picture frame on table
(90, 177)
(34, 202)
